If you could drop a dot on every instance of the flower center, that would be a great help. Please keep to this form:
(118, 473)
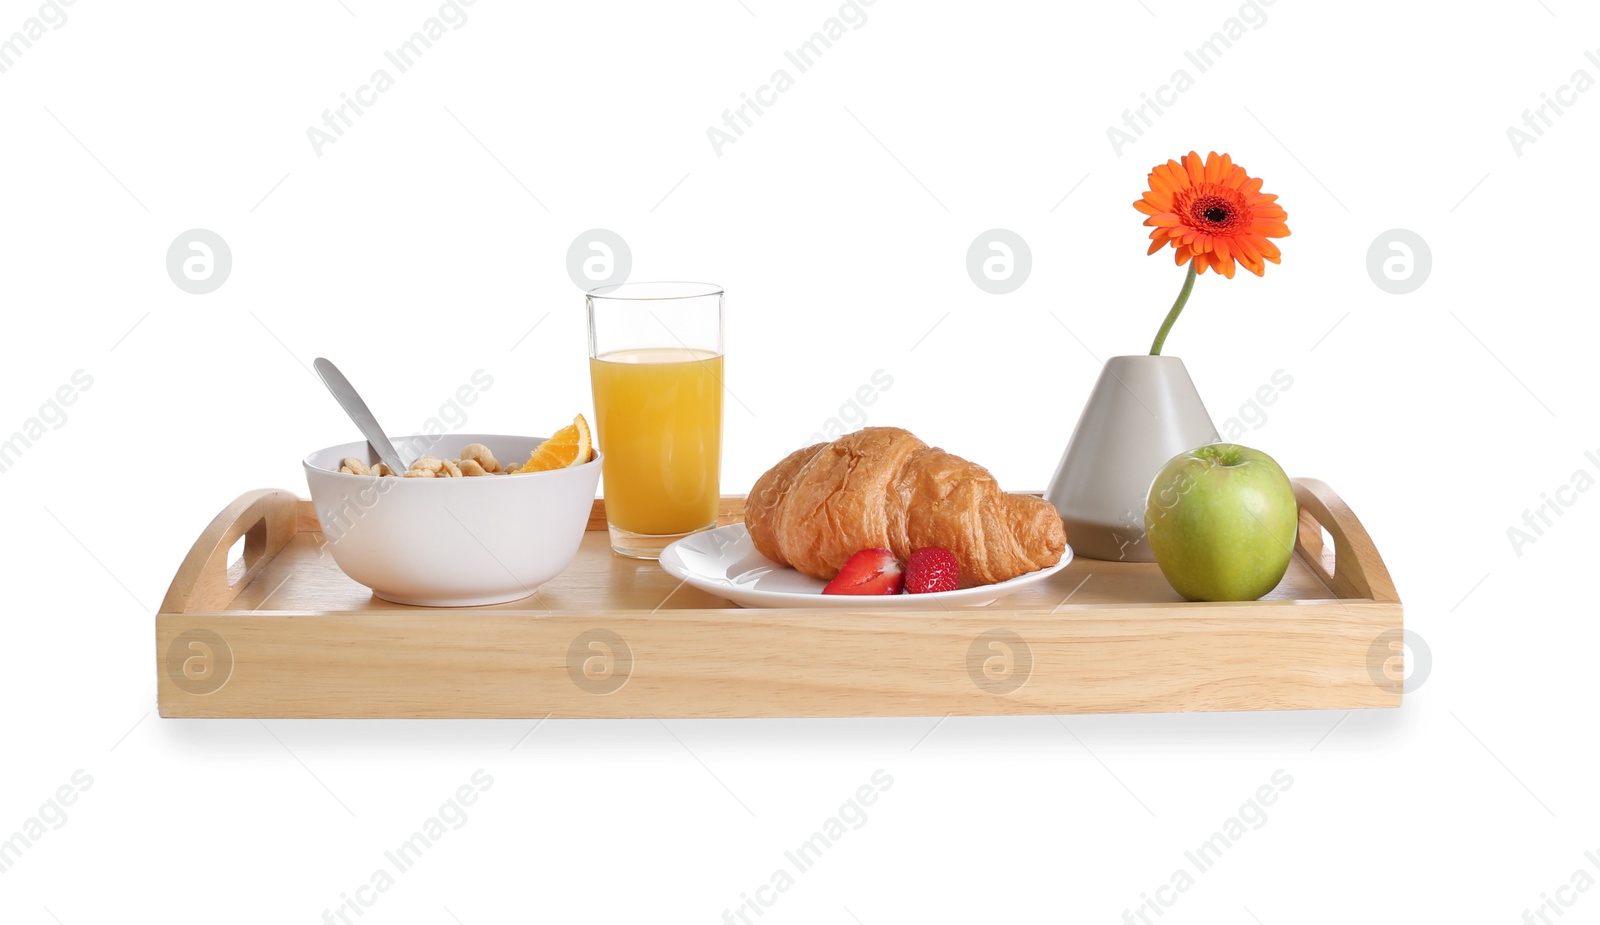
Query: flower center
(1217, 213)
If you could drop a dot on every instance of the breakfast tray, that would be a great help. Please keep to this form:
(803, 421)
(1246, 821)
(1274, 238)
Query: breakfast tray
(281, 632)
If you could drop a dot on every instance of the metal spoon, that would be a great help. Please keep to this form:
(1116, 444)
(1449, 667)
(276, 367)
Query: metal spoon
(350, 400)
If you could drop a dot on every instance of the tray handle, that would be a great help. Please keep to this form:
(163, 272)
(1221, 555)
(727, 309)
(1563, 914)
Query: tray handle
(206, 580)
(1355, 570)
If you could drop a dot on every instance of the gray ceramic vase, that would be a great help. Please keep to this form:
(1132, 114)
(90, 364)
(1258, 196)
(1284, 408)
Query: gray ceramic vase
(1143, 411)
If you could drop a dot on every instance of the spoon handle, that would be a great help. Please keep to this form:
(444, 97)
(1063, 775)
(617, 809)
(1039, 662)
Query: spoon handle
(350, 400)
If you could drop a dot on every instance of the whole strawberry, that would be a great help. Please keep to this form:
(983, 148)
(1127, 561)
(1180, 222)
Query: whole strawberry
(932, 569)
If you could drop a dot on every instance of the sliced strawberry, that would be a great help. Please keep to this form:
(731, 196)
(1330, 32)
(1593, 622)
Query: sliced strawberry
(932, 569)
(870, 571)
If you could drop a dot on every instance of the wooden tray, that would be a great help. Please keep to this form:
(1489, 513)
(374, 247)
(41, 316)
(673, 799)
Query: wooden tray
(281, 632)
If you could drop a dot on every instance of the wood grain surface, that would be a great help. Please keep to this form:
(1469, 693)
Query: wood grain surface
(285, 634)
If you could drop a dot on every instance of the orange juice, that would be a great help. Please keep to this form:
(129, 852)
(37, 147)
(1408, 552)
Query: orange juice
(658, 420)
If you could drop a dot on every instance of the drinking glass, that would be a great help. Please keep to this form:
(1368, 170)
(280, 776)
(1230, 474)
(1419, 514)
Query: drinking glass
(655, 363)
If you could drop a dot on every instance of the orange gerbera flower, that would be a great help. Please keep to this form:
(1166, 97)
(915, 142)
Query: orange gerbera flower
(1212, 213)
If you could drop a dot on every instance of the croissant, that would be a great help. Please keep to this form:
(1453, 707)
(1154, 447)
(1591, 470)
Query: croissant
(882, 487)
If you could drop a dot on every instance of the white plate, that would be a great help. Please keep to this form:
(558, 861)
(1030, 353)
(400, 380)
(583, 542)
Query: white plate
(724, 562)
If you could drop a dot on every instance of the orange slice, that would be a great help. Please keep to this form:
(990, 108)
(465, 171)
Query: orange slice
(570, 446)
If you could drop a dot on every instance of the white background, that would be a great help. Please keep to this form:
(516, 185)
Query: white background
(413, 251)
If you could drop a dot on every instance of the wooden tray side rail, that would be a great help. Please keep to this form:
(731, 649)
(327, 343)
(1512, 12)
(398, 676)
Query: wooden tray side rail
(1358, 571)
(267, 518)
(676, 652)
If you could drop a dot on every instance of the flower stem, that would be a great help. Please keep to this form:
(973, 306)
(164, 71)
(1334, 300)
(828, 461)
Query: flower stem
(1177, 307)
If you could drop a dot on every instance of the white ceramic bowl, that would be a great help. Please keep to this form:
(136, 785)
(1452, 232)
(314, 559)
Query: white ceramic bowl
(452, 542)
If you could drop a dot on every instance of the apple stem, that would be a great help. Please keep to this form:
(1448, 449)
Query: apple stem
(1177, 307)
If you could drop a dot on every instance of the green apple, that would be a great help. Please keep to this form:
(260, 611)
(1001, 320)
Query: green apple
(1221, 521)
